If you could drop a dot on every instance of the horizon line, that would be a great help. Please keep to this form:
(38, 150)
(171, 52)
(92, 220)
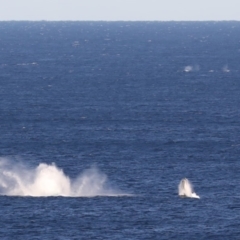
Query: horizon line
(119, 20)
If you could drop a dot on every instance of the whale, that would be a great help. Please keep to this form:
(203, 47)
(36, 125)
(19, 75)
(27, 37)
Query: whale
(185, 189)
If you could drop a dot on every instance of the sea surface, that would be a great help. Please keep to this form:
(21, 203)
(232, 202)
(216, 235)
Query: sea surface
(100, 121)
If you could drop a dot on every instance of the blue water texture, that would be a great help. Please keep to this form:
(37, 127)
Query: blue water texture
(125, 110)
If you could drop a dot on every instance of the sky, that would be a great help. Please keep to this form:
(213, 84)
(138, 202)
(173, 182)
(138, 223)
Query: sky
(120, 10)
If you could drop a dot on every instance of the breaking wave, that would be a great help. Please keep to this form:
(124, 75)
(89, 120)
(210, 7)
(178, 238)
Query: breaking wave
(49, 180)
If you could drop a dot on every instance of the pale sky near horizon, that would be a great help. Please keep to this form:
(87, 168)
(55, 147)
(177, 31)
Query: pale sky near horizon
(115, 10)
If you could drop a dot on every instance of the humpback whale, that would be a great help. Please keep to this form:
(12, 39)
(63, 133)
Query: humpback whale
(185, 189)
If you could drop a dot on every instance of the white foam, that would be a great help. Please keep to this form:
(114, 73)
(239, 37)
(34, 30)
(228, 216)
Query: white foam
(185, 189)
(49, 180)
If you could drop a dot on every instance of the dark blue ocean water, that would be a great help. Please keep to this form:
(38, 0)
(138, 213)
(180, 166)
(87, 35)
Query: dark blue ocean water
(145, 103)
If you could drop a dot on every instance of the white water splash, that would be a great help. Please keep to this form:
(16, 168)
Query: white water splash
(188, 69)
(48, 180)
(191, 68)
(185, 189)
(225, 68)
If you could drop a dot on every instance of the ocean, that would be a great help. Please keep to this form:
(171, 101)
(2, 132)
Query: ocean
(100, 121)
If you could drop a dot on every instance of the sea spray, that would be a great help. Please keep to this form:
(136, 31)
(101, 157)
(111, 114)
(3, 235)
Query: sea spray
(185, 189)
(48, 180)
(91, 182)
